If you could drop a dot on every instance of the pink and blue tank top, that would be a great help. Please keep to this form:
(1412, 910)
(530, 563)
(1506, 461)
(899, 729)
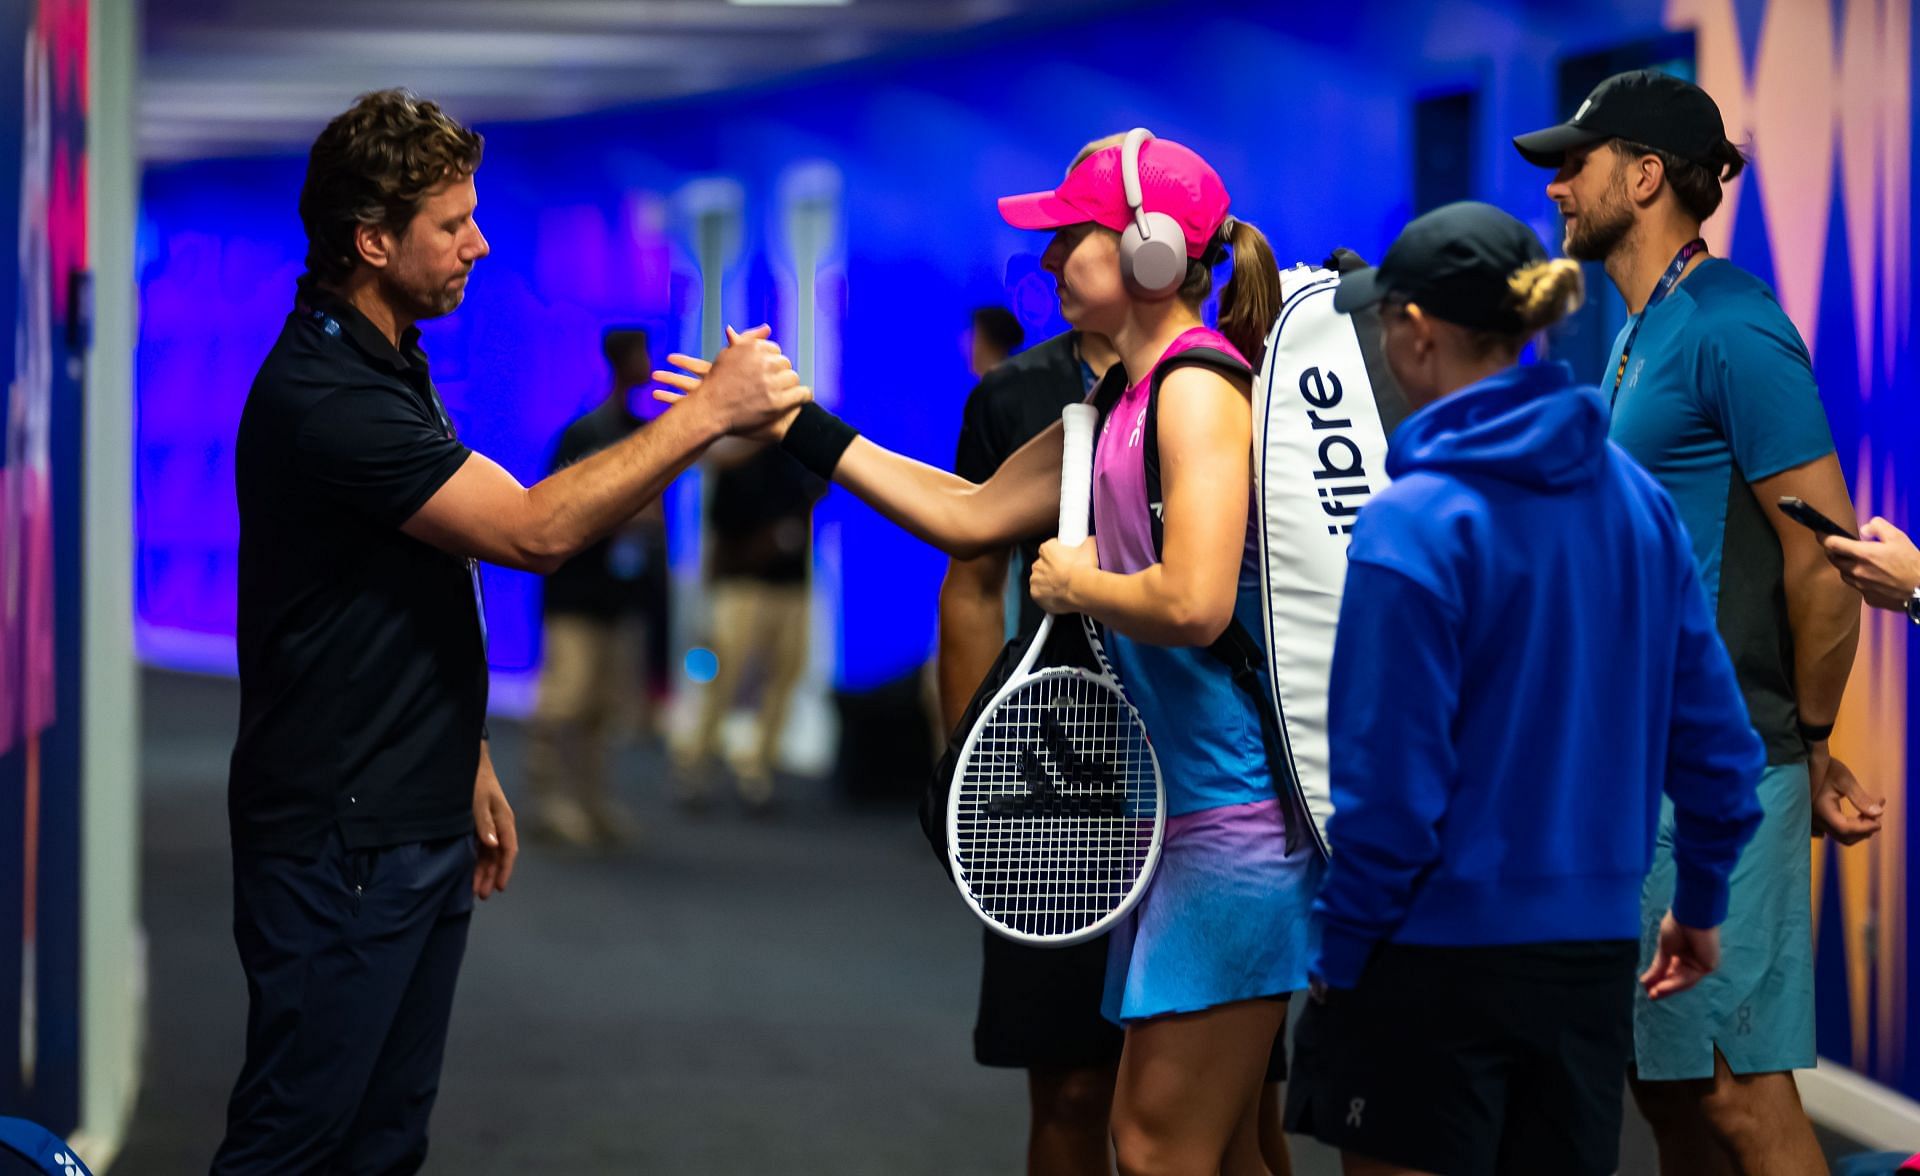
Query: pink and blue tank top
(1204, 729)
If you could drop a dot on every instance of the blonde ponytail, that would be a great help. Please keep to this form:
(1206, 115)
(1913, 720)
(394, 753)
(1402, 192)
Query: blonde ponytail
(1546, 292)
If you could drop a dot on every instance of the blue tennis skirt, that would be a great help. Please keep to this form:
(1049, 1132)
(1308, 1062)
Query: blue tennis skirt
(1226, 917)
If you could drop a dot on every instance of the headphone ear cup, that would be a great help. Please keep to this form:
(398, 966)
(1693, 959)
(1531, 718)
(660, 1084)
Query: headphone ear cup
(1156, 262)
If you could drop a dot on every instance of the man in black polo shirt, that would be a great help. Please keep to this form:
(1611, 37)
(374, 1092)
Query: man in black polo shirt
(365, 812)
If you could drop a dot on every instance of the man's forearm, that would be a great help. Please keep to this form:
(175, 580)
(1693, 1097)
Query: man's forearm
(590, 499)
(970, 627)
(1825, 616)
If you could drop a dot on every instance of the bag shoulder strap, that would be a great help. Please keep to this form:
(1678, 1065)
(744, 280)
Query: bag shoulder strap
(1211, 358)
(1244, 659)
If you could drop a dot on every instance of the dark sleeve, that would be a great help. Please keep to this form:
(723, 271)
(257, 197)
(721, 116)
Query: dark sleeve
(376, 451)
(982, 445)
(1714, 761)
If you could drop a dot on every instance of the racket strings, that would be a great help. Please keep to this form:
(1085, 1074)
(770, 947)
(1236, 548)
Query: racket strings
(1056, 806)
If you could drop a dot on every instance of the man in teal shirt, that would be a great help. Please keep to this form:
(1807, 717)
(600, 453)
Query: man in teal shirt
(1712, 390)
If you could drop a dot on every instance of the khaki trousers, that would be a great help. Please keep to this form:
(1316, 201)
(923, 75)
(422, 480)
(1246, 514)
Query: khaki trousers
(763, 625)
(591, 691)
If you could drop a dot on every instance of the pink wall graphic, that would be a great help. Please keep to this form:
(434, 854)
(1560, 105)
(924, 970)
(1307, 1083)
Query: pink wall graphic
(51, 245)
(26, 518)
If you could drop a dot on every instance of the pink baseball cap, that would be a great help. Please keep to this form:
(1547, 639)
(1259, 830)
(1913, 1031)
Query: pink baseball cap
(1173, 180)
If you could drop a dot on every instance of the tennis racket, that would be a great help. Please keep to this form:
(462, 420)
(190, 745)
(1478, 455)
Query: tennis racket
(1056, 810)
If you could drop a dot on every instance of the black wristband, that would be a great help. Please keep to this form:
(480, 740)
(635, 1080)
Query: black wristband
(817, 438)
(1816, 732)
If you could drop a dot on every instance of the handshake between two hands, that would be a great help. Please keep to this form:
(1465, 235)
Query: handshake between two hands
(750, 388)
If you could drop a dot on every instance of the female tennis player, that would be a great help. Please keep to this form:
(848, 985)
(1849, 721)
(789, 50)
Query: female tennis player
(1199, 972)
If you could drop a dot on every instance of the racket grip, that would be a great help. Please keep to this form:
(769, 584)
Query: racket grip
(1076, 472)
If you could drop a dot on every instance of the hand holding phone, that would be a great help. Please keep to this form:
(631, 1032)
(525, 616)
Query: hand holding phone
(1797, 510)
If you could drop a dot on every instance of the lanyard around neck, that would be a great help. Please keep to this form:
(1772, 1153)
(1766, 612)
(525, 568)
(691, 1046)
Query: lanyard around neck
(1664, 287)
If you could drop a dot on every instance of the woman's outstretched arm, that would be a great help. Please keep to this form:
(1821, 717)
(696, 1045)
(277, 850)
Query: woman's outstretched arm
(963, 519)
(959, 517)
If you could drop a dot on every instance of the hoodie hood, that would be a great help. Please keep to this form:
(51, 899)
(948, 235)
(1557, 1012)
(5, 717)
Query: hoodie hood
(1529, 425)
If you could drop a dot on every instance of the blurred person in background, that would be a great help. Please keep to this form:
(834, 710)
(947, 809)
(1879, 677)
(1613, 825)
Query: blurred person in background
(594, 632)
(1039, 1006)
(759, 554)
(996, 335)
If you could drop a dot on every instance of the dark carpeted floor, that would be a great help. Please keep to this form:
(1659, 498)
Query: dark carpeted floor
(791, 994)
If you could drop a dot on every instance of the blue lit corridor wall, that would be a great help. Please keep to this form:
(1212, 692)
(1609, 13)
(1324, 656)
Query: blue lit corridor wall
(584, 223)
(220, 248)
(1307, 113)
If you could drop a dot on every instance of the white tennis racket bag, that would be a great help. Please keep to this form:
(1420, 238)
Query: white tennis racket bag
(1324, 403)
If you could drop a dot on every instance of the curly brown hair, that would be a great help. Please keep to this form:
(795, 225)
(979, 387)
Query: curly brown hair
(374, 165)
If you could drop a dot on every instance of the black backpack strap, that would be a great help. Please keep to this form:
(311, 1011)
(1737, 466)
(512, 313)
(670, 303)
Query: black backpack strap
(1244, 658)
(1210, 358)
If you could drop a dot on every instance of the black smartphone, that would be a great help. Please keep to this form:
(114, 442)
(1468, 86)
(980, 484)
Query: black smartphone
(1812, 519)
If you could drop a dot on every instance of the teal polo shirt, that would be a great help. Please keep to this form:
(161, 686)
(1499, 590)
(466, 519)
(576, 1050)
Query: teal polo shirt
(1719, 394)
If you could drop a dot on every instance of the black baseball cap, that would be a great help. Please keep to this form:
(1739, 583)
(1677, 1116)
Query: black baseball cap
(1454, 262)
(1644, 106)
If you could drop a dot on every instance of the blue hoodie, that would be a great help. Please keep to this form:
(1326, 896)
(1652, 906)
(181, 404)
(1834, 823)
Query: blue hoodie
(1525, 661)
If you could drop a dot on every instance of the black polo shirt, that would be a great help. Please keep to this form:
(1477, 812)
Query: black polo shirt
(1011, 405)
(363, 675)
(617, 576)
(759, 515)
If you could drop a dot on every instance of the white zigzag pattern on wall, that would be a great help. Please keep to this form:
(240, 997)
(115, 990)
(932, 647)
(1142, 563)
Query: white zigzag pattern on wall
(1810, 97)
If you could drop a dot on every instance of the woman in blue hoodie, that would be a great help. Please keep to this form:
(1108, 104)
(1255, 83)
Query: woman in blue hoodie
(1525, 665)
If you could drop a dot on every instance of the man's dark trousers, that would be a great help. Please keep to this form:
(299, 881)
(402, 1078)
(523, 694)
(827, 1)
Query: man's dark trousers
(351, 958)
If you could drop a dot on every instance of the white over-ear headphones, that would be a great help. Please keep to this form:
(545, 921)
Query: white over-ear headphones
(1153, 250)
